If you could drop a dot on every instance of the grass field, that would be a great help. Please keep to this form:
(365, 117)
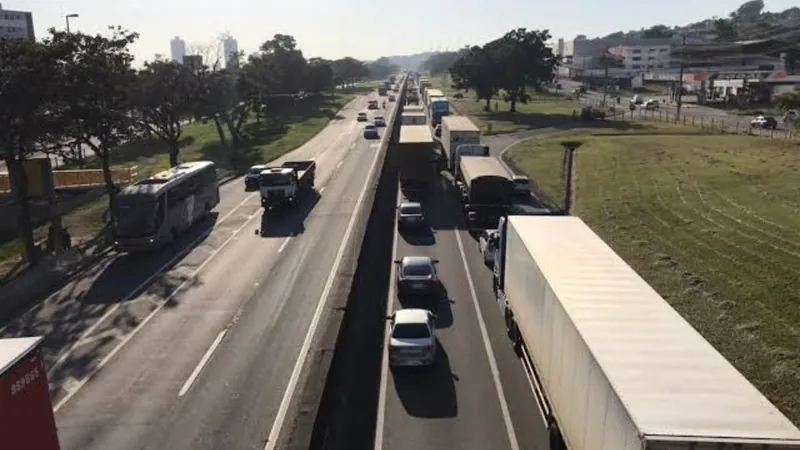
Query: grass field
(267, 140)
(542, 110)
(712, 222)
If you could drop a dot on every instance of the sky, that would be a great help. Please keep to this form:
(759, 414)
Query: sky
(364, 29)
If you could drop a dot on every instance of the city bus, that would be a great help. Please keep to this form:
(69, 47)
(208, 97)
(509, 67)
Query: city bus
(154, 211)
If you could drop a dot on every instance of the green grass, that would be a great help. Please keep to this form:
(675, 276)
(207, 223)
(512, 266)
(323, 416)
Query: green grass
(712, 222)
(267, 140)
(542, 110)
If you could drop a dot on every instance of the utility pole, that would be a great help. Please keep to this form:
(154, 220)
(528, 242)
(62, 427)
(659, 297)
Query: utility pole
(569, 172)
(680, 79)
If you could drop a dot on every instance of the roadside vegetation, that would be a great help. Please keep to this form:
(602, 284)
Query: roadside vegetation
(710, 221)
(72, 90)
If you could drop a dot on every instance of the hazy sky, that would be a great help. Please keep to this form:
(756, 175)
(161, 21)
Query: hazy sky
(365, 29)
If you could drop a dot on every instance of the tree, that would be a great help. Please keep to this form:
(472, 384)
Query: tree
(522, 60)
(657, 31)
(440, 63)
(749, 11)
(97, 93)
(30, 116)
(381, 68)
(788, 101)
(615, 35)
(475, 70)
(320, 75)
(726, 30)
(166, 93)
(349, 70)
(287, 61)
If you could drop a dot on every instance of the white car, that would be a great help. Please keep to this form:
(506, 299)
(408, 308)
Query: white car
(522, 185)
(412, 341)
(379, 121)
(487, 243)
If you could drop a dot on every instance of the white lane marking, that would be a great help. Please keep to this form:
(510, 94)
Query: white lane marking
(277, 425)
(374, 145)
(339, 165)
(152, 314)
(353, 145)
(508, 147)
(321, 189)
(380, 420)
(202, 363)
(185, 251)
(512, 435)
(283, 246)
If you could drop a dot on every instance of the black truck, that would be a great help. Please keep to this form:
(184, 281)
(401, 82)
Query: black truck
(486, 190)
(286, 184)
(416, 158)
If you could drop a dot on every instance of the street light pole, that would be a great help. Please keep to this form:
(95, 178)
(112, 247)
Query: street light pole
(680, 80)
(70, 16)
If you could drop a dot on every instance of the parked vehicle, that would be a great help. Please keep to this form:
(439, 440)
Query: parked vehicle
(766, 122)
(615, 366)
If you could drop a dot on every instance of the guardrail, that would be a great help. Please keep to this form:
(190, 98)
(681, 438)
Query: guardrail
(65, 179)
(720, 124)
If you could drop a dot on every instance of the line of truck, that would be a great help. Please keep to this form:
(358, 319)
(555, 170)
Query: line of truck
(614, 365)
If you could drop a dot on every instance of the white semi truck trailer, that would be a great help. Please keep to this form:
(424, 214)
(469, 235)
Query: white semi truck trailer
(615, 366)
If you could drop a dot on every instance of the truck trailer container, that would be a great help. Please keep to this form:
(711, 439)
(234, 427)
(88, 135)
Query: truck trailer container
(26, 413)
(413, 109)
(457, 130)
(429, 94)
(486, 190)
(618, 367)
(413, 118)
(416, 157)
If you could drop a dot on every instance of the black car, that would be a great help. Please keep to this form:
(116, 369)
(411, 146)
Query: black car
(768, 123)
(251, 180)
(409, 214)
(416, 276)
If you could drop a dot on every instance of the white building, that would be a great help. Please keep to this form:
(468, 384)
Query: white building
(644, 56)
(16, 24)
(177, 48)
(231, 49)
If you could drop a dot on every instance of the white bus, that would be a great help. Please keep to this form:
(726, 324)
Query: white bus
(156, 210)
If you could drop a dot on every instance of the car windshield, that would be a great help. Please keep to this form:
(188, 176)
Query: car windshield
(378, 118)
(411, 331)
(256, 170)
(417, 270)
(410, 209)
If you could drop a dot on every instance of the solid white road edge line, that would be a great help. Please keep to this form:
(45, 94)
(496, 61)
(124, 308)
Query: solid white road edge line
(283, 246)
(187, 249)
(277, 425)
(152, 314)
(202, 363)
(381, 416)
(512, 435)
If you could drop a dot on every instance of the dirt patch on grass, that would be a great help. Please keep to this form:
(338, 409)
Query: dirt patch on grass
(712, 222)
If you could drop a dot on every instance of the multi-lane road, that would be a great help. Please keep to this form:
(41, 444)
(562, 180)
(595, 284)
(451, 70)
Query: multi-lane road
(477, 395)
(201, 345)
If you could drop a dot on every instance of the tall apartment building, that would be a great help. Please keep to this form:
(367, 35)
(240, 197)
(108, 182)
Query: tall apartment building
(231, 49)
(177, 48)
(16, 24)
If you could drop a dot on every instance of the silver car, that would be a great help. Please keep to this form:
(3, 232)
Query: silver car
(409, 214)
(412, 341)
(416, 276)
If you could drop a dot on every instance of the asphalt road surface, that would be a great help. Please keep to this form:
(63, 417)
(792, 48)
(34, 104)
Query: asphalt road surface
(196, 346)
(477, 395)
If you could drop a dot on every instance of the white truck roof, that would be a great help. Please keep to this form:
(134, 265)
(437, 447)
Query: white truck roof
(14, 349)
(459, 123)
(483, 166)
(415, 134)
(670, 380)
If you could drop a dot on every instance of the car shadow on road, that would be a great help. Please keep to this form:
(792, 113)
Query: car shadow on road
(428, 392)
(423, 236)
(288, 221)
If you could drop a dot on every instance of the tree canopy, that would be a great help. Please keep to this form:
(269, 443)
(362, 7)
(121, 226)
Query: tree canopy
(510, 65)
(75, 89)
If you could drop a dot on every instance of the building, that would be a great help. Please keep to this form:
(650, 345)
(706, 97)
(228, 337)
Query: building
(177, 48)
(231, 49)
(644, 56)
(194, 62)
(16, 24)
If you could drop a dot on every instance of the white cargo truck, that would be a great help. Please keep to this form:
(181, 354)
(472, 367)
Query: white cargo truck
(413, 118)
(457, 131)
(615, 367)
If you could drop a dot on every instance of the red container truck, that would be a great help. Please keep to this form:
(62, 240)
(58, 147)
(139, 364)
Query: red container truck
(27, 421)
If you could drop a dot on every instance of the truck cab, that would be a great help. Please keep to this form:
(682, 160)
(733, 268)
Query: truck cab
(285, 184)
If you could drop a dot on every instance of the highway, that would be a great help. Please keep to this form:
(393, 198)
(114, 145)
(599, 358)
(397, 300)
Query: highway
(477, 395)
(203, 348)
